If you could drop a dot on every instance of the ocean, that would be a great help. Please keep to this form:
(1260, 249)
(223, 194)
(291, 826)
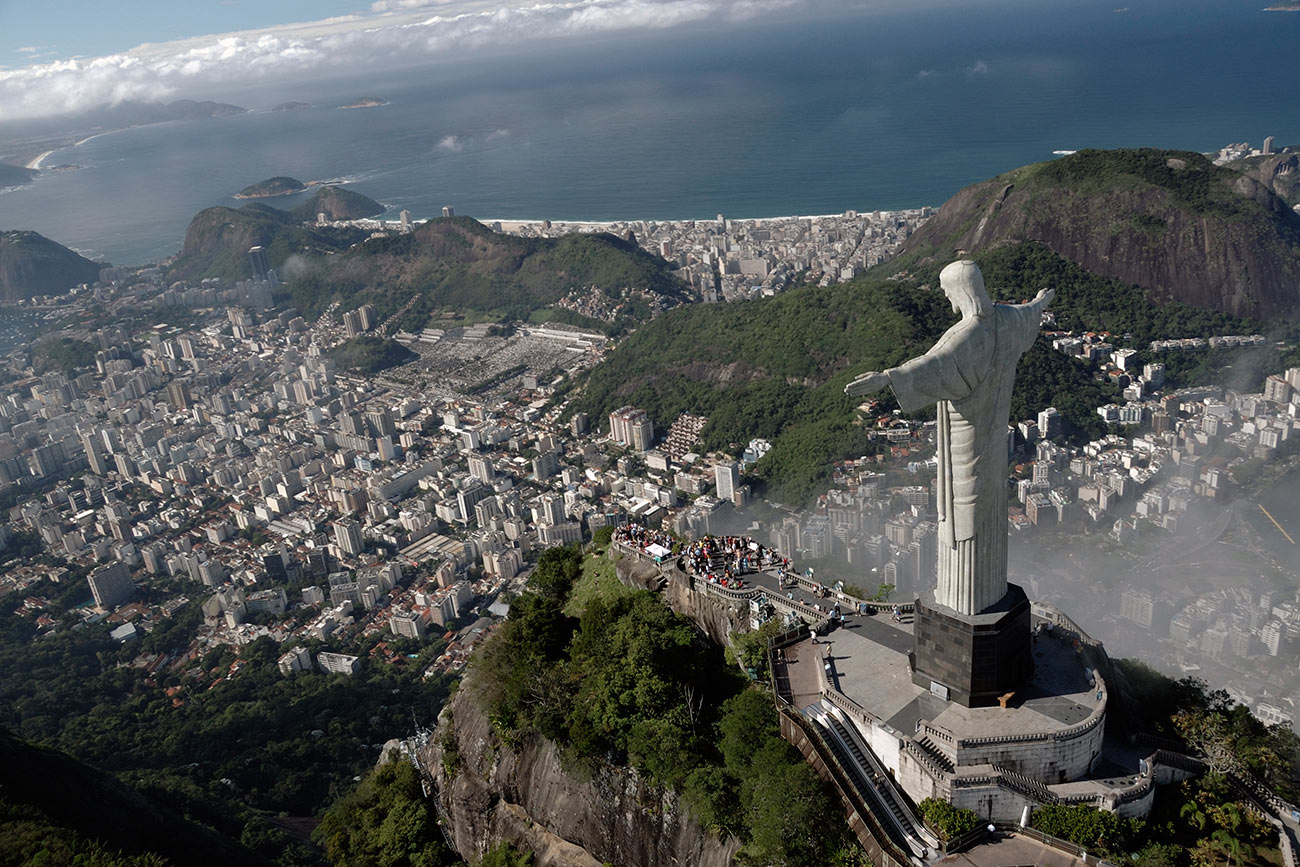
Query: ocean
(866, 109)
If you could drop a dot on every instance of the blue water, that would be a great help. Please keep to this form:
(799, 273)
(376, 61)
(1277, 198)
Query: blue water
(861, 110)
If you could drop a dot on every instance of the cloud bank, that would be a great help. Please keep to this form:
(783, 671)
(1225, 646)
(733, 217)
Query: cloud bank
(403, 31)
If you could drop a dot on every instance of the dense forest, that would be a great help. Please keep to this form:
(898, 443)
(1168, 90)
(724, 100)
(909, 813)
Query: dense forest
(369, 354)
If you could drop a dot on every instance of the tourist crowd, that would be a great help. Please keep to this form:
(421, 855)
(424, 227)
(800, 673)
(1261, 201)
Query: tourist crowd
(636, 536)
(726, 558)
(718, 559)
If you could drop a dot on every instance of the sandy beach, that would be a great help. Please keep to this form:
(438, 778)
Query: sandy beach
(36, 163)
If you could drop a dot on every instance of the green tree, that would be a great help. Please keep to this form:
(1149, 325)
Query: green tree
(503, 854)
(385, 822)
(947, 820)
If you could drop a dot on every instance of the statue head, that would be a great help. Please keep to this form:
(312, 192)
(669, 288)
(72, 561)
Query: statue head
(963, 283)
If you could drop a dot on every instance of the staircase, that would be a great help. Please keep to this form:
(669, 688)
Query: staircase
(935, 754)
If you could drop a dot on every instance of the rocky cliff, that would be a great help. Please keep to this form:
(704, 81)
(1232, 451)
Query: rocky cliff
(525, 793)
(31, 264)
(711, 616)
(1167, 221)
(1278, 172)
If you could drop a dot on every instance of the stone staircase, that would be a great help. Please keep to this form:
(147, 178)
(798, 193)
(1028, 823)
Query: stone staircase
(935, 754)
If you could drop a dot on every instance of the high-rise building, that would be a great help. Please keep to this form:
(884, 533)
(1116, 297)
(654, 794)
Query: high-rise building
(481, 468)
(178, 394)
(367, 314)
(95, 454)
(727, 477)
(448, 211)
(347, 535)
(1277, 389)
(1268, 145)
(1049, 423)
(258, 262)
(630, 426)
(338, 663)
(298, 659)
(550, 509)
(110, 585)
(405, 217)
(352, 323)
(1272, 635)
(1137, 605)
(407, 624)
(546, 464)
(380, 423)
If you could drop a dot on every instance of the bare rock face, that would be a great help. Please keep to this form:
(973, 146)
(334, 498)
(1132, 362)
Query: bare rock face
(1279, 172)
(1167, 221)
(569, 817)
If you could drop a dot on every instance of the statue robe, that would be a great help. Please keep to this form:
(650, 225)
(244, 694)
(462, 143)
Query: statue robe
(969, 373)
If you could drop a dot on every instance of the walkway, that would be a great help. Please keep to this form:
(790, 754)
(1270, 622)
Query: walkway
(1013, 850)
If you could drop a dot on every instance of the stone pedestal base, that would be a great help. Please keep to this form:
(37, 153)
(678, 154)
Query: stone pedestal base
(975, 658)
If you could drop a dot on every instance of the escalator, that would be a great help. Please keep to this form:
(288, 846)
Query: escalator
(872, 780)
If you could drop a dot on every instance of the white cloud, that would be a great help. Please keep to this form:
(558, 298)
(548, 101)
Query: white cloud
(451, 143)
(980, 68)
(498, 134)
(400, 5)
(405, 32)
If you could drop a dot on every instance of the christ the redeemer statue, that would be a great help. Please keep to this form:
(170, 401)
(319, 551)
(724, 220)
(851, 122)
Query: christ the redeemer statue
(969, 374)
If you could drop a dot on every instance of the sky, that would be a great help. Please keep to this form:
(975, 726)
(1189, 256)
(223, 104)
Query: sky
(63, 56)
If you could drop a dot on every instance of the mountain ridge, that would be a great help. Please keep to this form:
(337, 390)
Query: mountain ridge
(31, 264)
(1170, 222)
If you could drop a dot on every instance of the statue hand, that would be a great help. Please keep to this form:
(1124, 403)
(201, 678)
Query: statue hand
(867, 383)
(1045, 296)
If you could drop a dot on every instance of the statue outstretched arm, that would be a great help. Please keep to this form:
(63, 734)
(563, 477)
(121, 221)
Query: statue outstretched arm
(937, 374)
(867, 383)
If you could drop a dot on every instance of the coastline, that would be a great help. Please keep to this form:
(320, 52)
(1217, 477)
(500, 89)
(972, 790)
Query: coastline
(510, 224)
(35, 164)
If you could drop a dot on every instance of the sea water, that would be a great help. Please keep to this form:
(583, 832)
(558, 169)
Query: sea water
(862, 109)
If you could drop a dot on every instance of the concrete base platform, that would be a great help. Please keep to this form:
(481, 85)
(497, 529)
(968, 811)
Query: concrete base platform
(972, 659)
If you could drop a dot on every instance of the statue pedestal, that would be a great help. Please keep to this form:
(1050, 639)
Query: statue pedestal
(974, 658)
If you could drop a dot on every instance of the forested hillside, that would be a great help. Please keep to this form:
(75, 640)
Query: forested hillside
(776, 367)
(456, 263)
(624, 679)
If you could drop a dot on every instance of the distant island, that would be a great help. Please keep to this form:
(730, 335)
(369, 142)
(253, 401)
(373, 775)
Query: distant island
(271, 187)
(1283, 7)
(291, 106)
(365, 102)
